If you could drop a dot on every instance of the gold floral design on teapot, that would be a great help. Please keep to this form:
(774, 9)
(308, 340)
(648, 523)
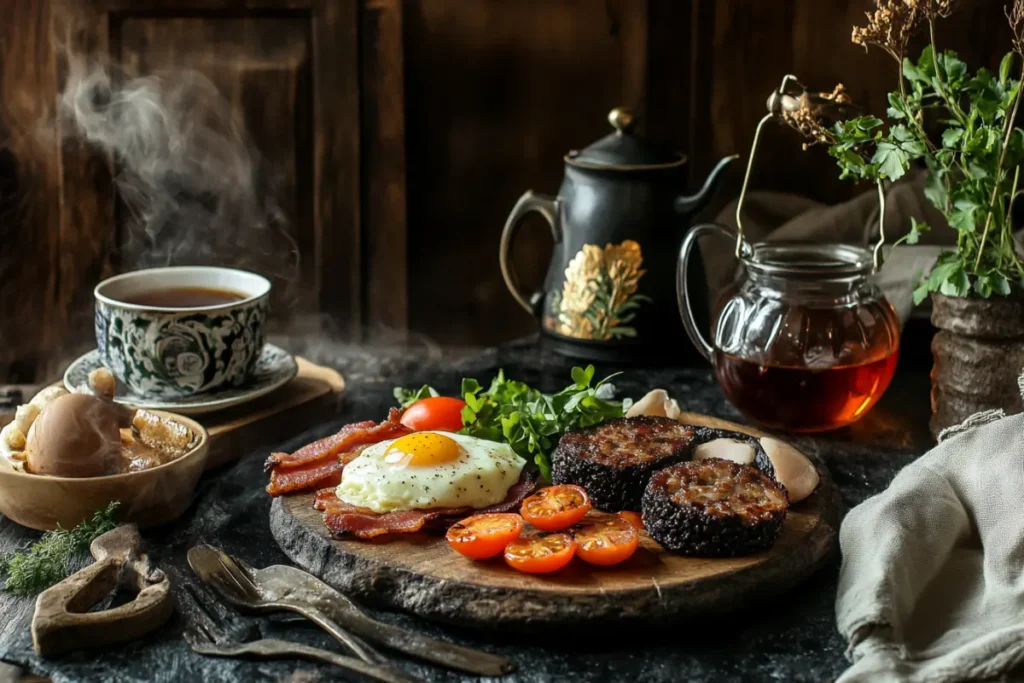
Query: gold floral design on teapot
(599, 296)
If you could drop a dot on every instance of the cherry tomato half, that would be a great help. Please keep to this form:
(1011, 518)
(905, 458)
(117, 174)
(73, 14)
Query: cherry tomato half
(606, 541)
(556, 507)
(540, 554)
(441, 413)
(482, 536)
(634, 519)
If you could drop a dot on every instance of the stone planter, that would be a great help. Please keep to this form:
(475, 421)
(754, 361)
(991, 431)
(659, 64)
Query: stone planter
(979, 353)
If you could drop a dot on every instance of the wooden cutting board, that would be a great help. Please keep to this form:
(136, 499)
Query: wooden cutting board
(314, 396)
(419, 573)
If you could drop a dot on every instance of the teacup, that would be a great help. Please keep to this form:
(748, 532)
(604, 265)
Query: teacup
(163, 349)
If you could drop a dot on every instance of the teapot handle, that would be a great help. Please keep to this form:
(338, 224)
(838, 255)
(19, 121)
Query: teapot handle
(682, 290)
(548, 208)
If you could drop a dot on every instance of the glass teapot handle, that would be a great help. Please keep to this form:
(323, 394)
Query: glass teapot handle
(683, 292)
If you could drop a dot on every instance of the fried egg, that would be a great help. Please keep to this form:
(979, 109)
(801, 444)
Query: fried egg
(426, 470)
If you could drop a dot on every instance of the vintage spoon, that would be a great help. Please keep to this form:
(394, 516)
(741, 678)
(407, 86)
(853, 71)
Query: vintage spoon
(280, 587)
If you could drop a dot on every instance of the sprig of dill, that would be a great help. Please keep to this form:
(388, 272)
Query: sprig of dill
(52, 558)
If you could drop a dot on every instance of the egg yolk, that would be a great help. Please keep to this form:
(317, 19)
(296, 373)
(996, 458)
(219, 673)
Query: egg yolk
(422, 449)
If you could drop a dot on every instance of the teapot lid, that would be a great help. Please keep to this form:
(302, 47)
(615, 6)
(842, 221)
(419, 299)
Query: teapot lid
(623, 150)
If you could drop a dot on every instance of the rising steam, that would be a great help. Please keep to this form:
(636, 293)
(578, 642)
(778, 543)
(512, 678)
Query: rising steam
(195, 188)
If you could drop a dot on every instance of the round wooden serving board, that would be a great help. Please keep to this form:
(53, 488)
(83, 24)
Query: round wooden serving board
(419, 573)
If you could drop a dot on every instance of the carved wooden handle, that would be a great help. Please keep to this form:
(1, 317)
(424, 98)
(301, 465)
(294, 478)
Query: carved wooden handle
(62, 621)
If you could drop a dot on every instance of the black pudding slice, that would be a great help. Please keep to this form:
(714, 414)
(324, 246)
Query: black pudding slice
(714, 508)
(613, 461)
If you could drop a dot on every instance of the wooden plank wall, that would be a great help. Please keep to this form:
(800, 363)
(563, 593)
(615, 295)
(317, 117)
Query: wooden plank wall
(402, 132)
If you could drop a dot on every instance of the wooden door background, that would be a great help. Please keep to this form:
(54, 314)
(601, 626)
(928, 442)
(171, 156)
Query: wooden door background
(402, 132)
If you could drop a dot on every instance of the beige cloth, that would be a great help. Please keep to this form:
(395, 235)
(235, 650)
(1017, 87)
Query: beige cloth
(932, 581)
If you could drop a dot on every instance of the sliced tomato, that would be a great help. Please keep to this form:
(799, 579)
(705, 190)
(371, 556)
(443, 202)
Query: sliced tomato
(606, 541)
(634, 519)
(556, 507)
(482, 536)
(440, 413)
(542, 553)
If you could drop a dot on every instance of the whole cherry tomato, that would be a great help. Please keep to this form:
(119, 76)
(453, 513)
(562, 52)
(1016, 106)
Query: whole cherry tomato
(437, 413)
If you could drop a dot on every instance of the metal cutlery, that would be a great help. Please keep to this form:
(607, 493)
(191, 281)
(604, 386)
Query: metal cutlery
(280, 587)
(210, 634)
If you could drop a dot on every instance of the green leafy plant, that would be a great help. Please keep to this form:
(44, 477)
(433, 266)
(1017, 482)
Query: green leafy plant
(53, 557)
(973, 158)
(529, 421)
(406, 397)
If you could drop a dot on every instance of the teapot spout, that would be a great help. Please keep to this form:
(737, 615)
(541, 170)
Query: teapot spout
(687, 206)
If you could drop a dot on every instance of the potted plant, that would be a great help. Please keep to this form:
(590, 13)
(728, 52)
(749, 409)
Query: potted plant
(961, 126)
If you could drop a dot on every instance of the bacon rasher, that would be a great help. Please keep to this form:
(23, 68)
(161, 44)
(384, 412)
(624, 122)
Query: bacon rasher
(319, 464)
(343, 519)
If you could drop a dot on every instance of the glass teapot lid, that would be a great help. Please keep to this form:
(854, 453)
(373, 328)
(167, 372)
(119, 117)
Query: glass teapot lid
(624, 150)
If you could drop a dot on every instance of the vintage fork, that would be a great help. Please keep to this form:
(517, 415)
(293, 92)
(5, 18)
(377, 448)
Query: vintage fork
(281, 587)
(208, 634)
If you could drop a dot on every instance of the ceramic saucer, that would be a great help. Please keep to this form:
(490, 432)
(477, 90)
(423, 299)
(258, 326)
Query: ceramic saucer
(275, 368)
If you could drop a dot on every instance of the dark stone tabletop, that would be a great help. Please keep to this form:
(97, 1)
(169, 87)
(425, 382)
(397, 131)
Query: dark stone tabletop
(788, 638)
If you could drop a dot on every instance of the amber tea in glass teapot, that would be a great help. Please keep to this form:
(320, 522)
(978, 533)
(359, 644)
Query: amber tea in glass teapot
(804, 340)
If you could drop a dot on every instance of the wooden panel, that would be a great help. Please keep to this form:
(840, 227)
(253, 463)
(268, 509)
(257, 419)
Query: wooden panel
(86, 183)
(252, 61)
(384, 173)
(30, 323)
(403, 131)
(336, 172)
(496, 94)
(755, 43)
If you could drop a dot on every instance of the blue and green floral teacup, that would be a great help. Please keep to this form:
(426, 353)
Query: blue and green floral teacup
(171, 332)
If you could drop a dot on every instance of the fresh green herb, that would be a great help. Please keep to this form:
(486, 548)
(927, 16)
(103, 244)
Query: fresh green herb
(973, 157)
(532, 422)
(406, 397)
(53, 557)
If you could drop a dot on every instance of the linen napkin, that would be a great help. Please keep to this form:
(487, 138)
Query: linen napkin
(932, 580)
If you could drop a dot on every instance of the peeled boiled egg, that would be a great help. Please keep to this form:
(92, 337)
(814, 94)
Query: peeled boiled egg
(76, 435)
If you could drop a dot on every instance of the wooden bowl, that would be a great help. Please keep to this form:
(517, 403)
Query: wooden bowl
(148, 497)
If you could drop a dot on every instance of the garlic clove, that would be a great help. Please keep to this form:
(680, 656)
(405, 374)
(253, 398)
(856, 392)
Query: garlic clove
(739, 452)
(672, 409)
(793, 469)
(653, 404)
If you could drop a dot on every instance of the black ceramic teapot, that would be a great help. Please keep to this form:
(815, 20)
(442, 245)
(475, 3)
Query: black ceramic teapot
(617, 222)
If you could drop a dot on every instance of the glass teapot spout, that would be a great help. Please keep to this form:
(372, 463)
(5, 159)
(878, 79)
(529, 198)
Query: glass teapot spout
(687, 206)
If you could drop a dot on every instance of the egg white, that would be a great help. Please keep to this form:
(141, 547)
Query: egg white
(481, 476)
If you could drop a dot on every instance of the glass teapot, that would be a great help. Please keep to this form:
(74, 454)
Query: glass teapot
(803, 340)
